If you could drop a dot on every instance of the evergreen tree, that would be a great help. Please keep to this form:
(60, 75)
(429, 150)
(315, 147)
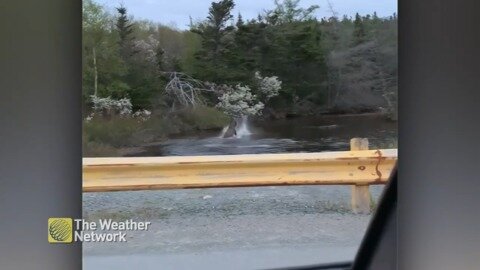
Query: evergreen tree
(375, 17)
(289, 11)
(311, 58)
(141, 81)
(217, 41)
(359, 30)
(125, 32)
(240, 22)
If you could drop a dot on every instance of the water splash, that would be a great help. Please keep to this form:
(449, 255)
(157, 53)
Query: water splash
(224, 130)
(243, 129)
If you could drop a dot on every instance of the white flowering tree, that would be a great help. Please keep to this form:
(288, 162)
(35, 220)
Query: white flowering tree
(235, 101)
(239, 101)
(148, 49)
(108, 107)
(268, 86)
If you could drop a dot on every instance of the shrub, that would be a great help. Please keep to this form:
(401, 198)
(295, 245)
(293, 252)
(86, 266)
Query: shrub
(94, 149)
(102, 136)
(160, 126)
(202, 118)
(122, 106)
(116, 132)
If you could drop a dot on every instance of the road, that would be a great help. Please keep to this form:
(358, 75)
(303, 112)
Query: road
(228, 228)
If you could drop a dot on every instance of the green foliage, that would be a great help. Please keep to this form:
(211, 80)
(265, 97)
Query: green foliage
(319, 62)
(204, 118)
(101, 54)
(116, 90)
(299, 48)
(285, 42)
(94, 149)
(192, 44)
(334, 63)
(101, 137)
(289, 11)
(359, 32)
(116, 132)
(125, 33)
(217, 43)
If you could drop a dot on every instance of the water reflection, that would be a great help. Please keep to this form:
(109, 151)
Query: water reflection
(306, 134)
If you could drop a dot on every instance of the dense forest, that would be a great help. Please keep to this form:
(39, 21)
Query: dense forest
(143, 81)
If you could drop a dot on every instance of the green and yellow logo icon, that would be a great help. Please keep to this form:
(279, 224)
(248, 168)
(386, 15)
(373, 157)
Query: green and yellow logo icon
(60, 230)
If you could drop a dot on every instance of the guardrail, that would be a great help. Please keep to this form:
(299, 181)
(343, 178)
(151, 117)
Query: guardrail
(359, 167)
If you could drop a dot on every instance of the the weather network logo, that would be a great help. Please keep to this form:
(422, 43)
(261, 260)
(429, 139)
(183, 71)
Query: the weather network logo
(60, 230)
(68, 230)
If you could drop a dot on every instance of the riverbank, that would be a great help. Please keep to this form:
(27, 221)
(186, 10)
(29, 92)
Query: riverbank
(199, 129)
(116, 136)
(272, 114)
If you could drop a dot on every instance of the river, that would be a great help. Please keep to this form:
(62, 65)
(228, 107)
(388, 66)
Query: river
(242, 228)
(292, 135)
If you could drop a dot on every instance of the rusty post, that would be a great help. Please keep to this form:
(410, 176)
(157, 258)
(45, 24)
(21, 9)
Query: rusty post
(361, 197)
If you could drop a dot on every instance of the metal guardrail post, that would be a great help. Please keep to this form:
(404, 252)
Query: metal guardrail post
(361, 198)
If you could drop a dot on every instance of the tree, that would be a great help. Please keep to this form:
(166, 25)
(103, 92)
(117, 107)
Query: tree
(141, 81)
(239, 101)
(125, 30)
(240, 22)
(103, 67)
(94, 22)
(359, 30)
(331, 61)
(295, 54)
(375, 17)
(217, 41)
(289, 11)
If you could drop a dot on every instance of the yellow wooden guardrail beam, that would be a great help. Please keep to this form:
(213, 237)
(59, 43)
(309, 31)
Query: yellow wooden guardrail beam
(358, 168)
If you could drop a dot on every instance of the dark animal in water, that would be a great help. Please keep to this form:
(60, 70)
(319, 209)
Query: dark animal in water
(231, 130)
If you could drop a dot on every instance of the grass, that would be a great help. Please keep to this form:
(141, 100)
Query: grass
(94, 149)
(116, 132)
(204, 118)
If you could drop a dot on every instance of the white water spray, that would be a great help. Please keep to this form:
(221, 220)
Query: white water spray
(242, 128)
(224, 130)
